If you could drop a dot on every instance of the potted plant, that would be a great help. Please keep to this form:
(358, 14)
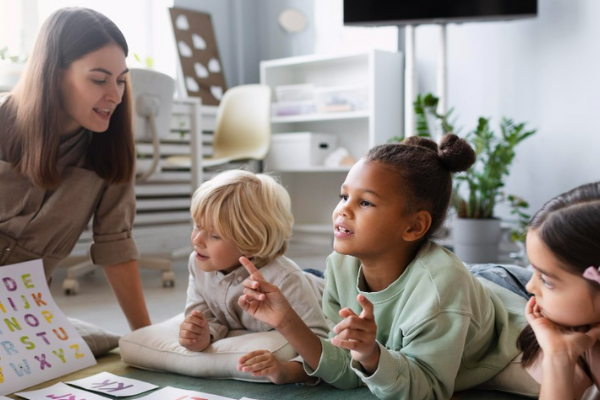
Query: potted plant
(11, 67)
(519, 231)
(476, 231)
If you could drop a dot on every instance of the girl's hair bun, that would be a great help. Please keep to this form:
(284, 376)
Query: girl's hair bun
(421, 141)
(456, 154)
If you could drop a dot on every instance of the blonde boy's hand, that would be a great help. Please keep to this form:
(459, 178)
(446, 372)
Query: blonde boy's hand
(261, 299)
(263, 363)
(358, 333)
(194, 333)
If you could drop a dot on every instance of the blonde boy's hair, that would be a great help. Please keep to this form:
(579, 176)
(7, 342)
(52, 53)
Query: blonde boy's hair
(252, 210)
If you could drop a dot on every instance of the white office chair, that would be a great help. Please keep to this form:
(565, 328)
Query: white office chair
(243, 127)
(152, 94)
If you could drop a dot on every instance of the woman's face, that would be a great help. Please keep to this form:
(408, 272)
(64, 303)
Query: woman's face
(91, 88)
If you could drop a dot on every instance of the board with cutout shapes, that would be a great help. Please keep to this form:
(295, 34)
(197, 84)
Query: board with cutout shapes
(197, 48)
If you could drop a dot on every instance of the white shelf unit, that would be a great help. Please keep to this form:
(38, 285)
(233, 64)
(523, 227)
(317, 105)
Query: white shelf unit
(315, 190)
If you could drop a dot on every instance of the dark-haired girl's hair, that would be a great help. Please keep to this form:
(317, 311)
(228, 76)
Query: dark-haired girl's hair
(31, 116)
(569, 226)
(426, 171)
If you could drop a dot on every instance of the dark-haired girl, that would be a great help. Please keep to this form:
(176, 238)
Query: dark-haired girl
(411, 322)
(561, 347)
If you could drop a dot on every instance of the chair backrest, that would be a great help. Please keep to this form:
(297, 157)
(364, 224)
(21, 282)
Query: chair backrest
(243, 123)
(152, 94)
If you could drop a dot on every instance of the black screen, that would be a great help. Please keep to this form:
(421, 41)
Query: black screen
(407, 12)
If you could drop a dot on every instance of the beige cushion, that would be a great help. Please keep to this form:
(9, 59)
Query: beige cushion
(157, 348)
(513, 379)
(99, 340)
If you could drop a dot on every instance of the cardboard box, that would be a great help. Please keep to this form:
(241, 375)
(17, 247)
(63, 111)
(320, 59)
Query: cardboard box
(299, 150)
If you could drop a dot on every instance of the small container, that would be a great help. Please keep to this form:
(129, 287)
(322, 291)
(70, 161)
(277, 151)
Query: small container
(299, 150)
(282, 109)
(302, 92)
(341, 98)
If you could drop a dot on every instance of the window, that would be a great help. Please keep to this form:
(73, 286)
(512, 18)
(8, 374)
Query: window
(146, 25)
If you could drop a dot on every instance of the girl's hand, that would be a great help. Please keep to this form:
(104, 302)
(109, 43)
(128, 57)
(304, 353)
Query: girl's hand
(558, 341)
(357, 333)
(194, 333)
(261, 299)
(263, 363)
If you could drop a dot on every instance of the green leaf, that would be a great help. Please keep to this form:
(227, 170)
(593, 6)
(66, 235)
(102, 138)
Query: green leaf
(495, 154)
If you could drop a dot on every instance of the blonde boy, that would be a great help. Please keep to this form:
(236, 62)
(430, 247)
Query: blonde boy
(239, 213)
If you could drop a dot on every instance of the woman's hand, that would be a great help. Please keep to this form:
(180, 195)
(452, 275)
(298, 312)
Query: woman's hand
(261, 299)
(358, 333)
(194, 333)
(567, 344)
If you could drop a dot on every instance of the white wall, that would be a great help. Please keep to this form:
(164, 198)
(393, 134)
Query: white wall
(247, 31)
(545, 71)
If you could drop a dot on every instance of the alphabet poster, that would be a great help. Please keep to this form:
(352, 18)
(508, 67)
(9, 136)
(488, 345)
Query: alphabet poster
(198, 54)
(37, 342)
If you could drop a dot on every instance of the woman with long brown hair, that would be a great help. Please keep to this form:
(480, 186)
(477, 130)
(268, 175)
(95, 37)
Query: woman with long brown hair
(67, 154)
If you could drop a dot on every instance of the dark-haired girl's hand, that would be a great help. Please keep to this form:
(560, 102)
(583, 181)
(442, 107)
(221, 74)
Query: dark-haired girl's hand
(261, 299)
(557, 341)
(358, 333)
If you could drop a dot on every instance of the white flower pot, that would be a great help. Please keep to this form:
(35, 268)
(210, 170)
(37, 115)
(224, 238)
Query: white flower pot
(9, 75)
(476, 240)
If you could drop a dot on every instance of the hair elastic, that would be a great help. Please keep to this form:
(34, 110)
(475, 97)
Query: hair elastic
(592, 273)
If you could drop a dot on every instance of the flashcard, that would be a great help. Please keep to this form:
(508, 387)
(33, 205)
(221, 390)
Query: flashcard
(171, 393)
(114, 385)
(62, 392)
(37, 342)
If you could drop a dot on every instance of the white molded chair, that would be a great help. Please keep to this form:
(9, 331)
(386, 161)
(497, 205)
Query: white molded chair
(242, 129)
(243, 125)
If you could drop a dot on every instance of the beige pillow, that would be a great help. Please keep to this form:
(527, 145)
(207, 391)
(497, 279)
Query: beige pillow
(99, 340)
(513, 379)
(157, 348)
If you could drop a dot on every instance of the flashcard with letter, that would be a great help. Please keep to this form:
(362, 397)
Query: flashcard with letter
(60, 391)
(114, 385)
(171, 393)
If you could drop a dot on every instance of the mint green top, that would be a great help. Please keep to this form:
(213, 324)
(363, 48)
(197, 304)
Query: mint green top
(439, 328)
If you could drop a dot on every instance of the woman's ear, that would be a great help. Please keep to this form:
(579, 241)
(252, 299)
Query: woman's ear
(419, 226)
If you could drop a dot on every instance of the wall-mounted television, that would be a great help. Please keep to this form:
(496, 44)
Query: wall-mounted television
(415, 12)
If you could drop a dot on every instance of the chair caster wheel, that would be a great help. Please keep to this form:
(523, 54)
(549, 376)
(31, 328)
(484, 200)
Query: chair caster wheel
(168, 279)
(70, 286)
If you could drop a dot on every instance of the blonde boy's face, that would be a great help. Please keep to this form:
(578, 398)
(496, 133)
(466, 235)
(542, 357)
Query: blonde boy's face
(213, 253)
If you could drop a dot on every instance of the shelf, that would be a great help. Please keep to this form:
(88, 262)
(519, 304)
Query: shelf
(314, 228)
(314, 189)
(321, 117)
(316, 169)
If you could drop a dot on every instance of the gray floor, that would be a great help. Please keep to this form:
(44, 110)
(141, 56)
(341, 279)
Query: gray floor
(96, 304)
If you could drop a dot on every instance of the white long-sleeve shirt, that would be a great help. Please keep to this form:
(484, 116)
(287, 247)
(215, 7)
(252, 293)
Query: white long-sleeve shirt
(216, 295)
